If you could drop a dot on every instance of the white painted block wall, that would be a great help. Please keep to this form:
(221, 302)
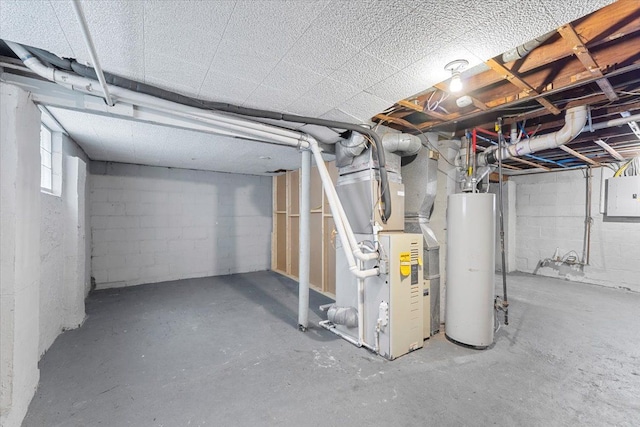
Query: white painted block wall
(63, 246)
(154, 224)
(550, 214)
(19, 252)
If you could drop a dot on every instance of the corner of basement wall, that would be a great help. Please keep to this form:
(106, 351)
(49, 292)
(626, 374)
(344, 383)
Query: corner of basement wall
(19, 252)
(551, 214)
(154, 224)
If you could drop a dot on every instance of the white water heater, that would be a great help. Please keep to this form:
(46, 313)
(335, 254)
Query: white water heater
(469, 313)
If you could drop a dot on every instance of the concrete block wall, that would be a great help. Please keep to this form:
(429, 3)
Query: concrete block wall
(19, 252)
(63, 246)
(153, 224)
(551, 214)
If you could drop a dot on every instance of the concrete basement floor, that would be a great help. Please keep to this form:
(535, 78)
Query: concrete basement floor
(225, 351)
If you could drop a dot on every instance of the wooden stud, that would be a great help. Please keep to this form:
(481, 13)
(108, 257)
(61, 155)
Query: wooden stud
(578, 155)
(517, 81)
(609, 150)
(580, 49)
(530, 163)
(495, 177)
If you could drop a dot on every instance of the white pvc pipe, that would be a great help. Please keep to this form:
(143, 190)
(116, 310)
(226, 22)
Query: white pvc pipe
(270, 133)
(304, 241)
(342, 225)
(92, 50)
(613, 122)
(575, 120)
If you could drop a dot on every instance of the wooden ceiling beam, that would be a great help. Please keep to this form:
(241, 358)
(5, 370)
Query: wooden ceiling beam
(609, 149)
(574, 153)
(569, 34)
(530, 163)
(610, 23)
(381, 118)
(413, 106)
(514, 79)
(476, 102)
(511, 167)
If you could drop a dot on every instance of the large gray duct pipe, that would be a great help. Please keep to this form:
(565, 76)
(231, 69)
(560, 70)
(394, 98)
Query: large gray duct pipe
(402, 144)
(575, 120)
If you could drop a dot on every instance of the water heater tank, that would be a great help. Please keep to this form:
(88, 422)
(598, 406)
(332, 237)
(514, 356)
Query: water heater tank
(469, 315)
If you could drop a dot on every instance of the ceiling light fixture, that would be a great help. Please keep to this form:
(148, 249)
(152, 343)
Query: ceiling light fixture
(456, 67)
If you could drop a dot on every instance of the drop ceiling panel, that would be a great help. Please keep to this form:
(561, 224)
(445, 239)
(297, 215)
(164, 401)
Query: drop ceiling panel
(400, 83)
(364, 106)
(363, 71)
(117, 30)
(33, 23)
(320, 52)
(190, 31)
(360, 22)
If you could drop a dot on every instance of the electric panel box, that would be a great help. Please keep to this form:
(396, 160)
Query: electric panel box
(623, 196)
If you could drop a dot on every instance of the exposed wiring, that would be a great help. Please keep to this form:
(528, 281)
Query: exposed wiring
(630, 168)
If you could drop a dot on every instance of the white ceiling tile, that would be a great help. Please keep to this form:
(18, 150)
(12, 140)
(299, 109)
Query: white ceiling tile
(330, 92)
(364, 106)
(227, 88)
(168, 71)
(359, 22)
(363, 71)
(308, 106)
(430, 70)
(33, 23)
(268, 98)
(180, 29)
(406, 43)
(117, 29)
(292, 78)
(271, 27)
(241, 59)
(396, 87)
(566, 11)
(320, 52)
(339, 116)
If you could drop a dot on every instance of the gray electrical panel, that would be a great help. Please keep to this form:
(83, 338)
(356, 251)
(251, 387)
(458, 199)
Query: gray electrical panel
(623, 196)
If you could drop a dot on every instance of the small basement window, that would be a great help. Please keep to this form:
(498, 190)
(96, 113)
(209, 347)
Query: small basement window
(46, 172)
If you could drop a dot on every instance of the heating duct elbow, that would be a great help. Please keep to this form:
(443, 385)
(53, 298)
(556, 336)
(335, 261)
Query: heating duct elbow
(575, 120)
(402, 144)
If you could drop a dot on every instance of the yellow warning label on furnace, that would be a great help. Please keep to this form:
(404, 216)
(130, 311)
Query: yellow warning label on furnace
(405, 263)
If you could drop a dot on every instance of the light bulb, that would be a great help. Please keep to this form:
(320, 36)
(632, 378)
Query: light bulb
(456, 84)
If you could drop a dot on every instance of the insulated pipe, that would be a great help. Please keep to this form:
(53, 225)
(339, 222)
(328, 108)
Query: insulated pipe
(575, 120)
(305, 241)
(92, 50)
